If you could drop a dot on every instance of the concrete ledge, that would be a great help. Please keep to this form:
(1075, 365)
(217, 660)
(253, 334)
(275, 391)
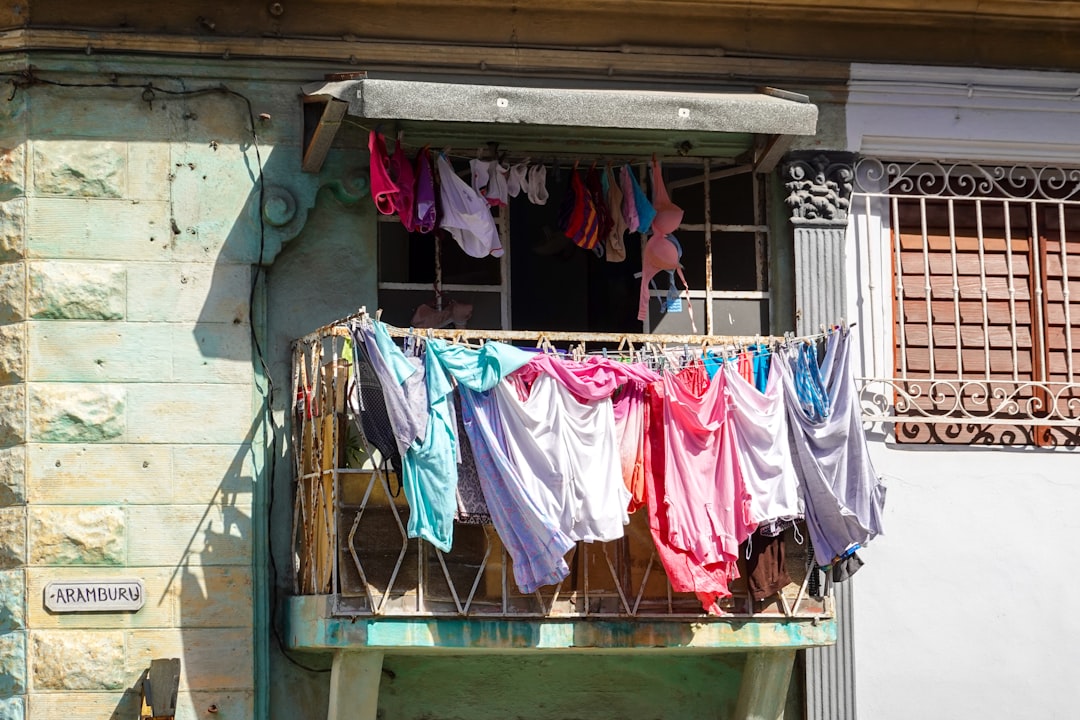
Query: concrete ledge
(310, 626)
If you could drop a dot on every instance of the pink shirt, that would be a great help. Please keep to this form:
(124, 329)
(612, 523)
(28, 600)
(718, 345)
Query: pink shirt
(708, 506)
(709, 581)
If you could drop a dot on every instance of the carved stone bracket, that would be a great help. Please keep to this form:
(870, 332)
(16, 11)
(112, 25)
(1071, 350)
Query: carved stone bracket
(285, 206)
(819, 186)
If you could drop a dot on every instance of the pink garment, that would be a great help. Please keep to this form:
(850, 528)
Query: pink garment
(383, 190)
(668, 215)
(709, 581)
(401, 173)
(658, 254)
(708, 505)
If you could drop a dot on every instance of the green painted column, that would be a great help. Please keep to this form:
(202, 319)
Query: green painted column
(764, 685)
(354, 685)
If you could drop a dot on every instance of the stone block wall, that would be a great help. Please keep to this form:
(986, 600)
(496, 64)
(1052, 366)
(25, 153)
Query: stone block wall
(128, 404)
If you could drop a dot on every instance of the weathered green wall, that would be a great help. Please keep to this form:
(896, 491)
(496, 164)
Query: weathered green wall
(130, 442)
(592, 687)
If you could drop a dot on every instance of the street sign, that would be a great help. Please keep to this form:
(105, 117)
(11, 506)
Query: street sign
(105, 595)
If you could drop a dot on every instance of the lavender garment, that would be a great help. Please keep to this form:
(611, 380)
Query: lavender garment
(424, 221)
(844, 496)
(530, 535)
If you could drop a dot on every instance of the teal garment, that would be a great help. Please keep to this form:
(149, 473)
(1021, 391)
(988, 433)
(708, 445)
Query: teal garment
(430, 468)
(479, 369)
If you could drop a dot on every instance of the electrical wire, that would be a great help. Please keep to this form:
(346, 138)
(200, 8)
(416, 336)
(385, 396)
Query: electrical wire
(27, 79)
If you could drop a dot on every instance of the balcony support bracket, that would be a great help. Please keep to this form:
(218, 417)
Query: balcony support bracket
(354, 685)
(764, 688)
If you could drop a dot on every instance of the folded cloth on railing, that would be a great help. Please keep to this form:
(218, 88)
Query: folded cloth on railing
(844, 497)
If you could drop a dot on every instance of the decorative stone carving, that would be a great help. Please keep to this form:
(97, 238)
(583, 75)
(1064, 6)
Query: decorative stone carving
(285, 209)
(819, 186)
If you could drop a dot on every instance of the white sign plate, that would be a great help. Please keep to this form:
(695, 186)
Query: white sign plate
(113, 595)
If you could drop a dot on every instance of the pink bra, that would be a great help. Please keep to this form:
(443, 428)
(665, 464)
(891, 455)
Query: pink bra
(668, 215)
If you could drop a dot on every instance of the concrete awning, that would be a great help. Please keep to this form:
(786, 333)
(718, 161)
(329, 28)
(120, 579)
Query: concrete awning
(767, 112)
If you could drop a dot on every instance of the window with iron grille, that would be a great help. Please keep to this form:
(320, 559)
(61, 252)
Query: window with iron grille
(985, 269)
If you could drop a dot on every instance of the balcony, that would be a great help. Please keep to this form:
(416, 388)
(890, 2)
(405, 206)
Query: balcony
(360, 583)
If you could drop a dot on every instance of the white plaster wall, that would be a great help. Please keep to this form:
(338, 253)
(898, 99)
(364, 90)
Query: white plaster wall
(964, 608)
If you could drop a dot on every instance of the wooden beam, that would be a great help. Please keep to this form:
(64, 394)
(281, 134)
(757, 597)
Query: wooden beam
(319, 134)
(768, 155)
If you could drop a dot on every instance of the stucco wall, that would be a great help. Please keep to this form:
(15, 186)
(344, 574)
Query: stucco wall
(962, 610)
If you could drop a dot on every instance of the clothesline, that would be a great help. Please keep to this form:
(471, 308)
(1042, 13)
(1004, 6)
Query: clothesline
(636, 340)
(564, 451)
(538, 156)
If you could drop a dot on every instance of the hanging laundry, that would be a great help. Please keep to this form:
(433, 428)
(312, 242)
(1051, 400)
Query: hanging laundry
(517, 180)
(401, 172)
(844, 497)
(368, 406)
(594, 186)
(568, 447)
(383, 190)
(629, 408)
(629, 209)
(644, 209)
(489, 180)
(530, 534)
(425, 194)
(760, 429)
(466, 215)
(403, 386)
(615, 246)
(536, 185)
(583, 226)
(708, 505)
(472, 508)
(709, 581)
(660, 253)
(430, 463)
(766, 565)
(668, 216)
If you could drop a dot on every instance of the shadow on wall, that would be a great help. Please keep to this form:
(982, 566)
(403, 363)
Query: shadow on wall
(313, 240)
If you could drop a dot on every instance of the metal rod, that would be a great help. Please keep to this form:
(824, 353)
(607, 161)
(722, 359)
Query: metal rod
(899, 273)
(1012, 289)
(956, 291)
(708, 229)
(928, 288)
(983, 292)
(1065, 290)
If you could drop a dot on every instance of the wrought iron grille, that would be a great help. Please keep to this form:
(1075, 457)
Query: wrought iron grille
(349, 536)
(969, 273)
